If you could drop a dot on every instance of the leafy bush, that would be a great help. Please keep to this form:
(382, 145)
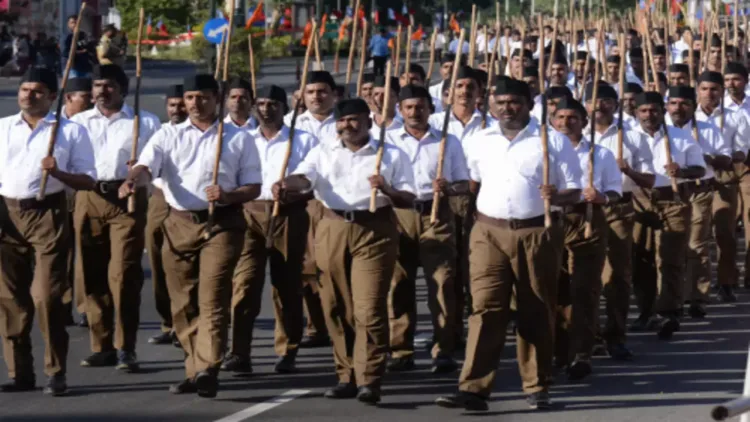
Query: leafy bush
(239, 60)
(279, 46)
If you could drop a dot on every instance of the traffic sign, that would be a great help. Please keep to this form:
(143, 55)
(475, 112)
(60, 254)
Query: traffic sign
(213, 30)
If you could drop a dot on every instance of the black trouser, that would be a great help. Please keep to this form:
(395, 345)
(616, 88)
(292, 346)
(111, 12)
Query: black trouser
(378, 63)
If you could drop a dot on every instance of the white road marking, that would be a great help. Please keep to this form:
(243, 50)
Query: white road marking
(265, 406)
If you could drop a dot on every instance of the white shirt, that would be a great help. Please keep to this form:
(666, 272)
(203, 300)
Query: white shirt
(607, 176)
(455, 126)
(709, 139)
(22, 150)
(183, 157)
(736, 126)
(436, 92)
(685, 152)
(396, 123)
(273, 151)
(339, 176)
(324, 131)
(511, 171)
(156, 181)
(249, 125)
(424, 154)
(730, 105)
(635, 152)
(112, 138)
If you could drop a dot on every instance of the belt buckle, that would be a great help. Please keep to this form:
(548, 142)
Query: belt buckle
(349, 216)
(419, 206)
(104, 187)
(195, 218)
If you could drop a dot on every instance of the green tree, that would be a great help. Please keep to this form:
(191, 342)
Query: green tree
(176, 14)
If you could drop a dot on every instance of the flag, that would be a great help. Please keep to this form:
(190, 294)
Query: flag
(391, 14)
(162, 28)
(307, 33)
(418, 34)
(257, 18)
(342, 29)
(361, 14)
(148, 26)
(376, 17)
(323, 24)
(453, 24)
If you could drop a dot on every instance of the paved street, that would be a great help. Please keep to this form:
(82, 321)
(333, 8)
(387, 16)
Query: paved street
(676, 381)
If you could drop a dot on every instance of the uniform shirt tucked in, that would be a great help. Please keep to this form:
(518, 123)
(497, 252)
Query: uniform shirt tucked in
(511, 171)
(424, 153)
(156, 181)
(183, 157)
(22, 150)
(736, 126)
(709, 139)
(339, 176)
(455, 126)
(607, 176)
(635, 152)
(272, 152)
(685, 152)
(112, 138)
(324, 131)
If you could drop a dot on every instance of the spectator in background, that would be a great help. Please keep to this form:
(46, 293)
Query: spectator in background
(379, 51)
(440, 41)
(108, 52)
(82, 64)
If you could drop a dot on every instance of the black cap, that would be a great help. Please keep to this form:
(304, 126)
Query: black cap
(78, 85)
(239, 83)
(582, 55)
(448, 58)
(41, 75)
(111, 72)
(615, 58)
(649, 97)
(350, 106)
(380, 83)
(513, 87)
(480, 76)
(710, 76)
(662, 77)
(174, 91)
(635, 52)
(526, 53)
(414, 91)
(321, 77)
(715, 40)
(660, 50)
(685, 92)
(569, 103)
(465, 72)
(368, 78)
(735, 68)
(418, 69)
(557, 92)
(530, 72)
(632, 87)
(200, 82)
(679, 68)
(559, 58)
(273, 92)
(604, 91)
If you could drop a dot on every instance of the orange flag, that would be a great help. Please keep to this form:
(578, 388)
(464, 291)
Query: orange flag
(307, 33)
(323, 25)
(256, 16)
(418, 34)
(342, 29)
(454, 24)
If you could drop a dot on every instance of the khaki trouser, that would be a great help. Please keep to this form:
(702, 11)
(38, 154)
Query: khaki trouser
(618, 270)
(462, 208)
(109, 246)
(33, 280)
(157, 213)
(660, 237)
(285, 258)
(580, 284)
(199, 278)
(724, 209)
(76, 292)
(501, 258)
(698, 269)
(316, 323)
(745, 197)
(356, 260)
(433, 246)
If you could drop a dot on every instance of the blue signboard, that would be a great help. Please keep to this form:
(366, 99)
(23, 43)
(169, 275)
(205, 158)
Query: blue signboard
(213, 30)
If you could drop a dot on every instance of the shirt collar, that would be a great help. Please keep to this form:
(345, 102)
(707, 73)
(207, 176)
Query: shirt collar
(126, 112)
(249, 123)
(308, 115)
(431, 133)
(531, 129)
(49, 118)
(372, 144)
(188, 125)
(281, 135)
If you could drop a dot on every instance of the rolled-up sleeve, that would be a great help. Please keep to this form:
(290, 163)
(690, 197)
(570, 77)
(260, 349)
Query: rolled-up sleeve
(82, 159)
(250, 169)
(152, 156)
(309, 166)
(402, 174)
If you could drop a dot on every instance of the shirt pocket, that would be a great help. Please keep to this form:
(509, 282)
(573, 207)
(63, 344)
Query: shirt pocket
(530, 166)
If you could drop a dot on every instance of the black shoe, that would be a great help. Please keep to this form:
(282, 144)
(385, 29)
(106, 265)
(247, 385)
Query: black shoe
(314, 342)
(56, 386)
(368, 395)
(83, 321)
(238, 364)
(600, 348)
(539, 400)
(161, 338)
(175, 341)
(108, 358)
(463, 400)
(19, 384)
(697, 310)
(667, 327)
(443, 364)
(579, 370)
(403, 364)
(644, 323)
(286, 365)
(342, 391)
(726, 295)
(207, 384)
(184, 387)
(127, 362)
(618, 351)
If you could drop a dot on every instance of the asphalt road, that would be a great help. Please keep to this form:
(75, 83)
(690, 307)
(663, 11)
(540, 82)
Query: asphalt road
(676, 381)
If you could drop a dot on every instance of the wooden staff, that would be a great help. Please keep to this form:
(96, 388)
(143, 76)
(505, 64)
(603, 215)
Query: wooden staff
(60, 99)
(595, 93)
(507, 58)
(219, 55)
(136, 106)
(362, 55)
(473, 36)
(622, 92)
(407, 62)
(350, 63)
(318, 61)
(654, 73)
(574, 34)
(667, 48)
(586, 66)
(723, 52)
(736, 29)
(545, 158)
(336, 54)
(381, 143)
(744, 44)
(486, 103)
(432, 56)
(553, 51)
(397, 57)
(252, 63)
(486, 46)
(285, 164)
(444, 135)
(220, 129)
(542, 68)
(691, 60)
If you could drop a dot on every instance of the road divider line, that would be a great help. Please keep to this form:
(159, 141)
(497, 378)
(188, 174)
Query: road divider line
(265, 406)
